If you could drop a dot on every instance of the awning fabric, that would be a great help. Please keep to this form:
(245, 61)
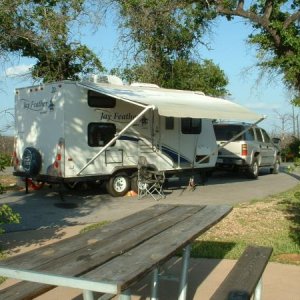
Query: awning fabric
(176, 103)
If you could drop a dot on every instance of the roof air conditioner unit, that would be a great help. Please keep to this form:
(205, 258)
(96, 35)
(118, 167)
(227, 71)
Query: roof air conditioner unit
(110, 79)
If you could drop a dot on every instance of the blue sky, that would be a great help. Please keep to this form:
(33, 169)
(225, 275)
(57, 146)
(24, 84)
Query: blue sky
(228, 49)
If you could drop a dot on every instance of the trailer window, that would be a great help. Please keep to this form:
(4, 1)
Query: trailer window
(99, 134)
(169, 123)
(190, 126)
(100, 100)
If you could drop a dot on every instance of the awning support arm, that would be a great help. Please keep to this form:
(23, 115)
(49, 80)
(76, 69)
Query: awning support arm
(231, 140)
(118, 134)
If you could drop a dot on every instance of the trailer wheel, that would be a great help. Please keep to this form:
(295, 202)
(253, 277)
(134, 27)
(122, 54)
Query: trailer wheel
(118, 185)
(31, 161)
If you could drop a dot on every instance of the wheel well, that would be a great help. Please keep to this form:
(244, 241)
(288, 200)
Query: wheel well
(128, 171)
(256, 154)
(257, 157)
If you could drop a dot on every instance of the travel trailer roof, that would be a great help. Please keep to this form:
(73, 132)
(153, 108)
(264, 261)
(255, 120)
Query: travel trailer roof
(176, 103)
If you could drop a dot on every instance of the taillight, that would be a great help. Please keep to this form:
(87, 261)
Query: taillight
(244, 150)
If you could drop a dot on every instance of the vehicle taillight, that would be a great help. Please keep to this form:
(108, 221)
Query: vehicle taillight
(244, 150)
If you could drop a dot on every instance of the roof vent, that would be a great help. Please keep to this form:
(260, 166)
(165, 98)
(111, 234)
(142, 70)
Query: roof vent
(143, 84)
(199, 93)
(111, 79)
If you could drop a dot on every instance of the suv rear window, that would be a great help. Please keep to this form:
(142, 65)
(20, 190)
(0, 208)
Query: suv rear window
(225, 132)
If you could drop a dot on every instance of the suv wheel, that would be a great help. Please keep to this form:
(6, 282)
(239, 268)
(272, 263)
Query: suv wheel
(253, 170)
(275, 168)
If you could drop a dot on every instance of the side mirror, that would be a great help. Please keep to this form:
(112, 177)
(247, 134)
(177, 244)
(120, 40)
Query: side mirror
(276, 141)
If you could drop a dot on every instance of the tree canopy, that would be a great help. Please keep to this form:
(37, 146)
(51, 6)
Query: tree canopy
(165, 34)
(276, 34)
(275, 22)
(41, 30)
(183, 74)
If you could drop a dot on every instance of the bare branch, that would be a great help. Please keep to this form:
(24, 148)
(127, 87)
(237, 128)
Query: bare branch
(291, 19)
(268, 9)
(240, 5)
(260, 20)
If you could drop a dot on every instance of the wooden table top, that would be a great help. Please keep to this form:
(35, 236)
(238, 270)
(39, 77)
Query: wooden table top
(120, 252)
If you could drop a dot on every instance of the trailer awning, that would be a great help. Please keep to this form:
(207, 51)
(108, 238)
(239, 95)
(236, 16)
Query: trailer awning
(176, 103)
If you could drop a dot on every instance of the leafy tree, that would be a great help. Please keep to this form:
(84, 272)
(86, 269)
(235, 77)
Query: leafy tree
(162, 28)
(41, 30)
(7, 216)
(294, 147)
(206, 77)
(165, 34)
(182, 74)
(275, 22)
(276, 32)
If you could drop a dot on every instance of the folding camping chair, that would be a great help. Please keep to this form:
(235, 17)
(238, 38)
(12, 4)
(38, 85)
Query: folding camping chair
(150, 182)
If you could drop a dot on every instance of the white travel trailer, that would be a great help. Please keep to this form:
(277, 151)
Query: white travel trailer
(70, 132)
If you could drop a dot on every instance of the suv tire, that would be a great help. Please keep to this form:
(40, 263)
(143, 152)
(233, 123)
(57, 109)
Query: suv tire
(275, 168)
(253, 169)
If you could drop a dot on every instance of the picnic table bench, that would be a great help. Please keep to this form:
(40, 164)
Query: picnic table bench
(245, 279)
(112, 258)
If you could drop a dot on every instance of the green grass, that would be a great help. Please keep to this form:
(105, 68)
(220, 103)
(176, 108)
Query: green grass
(94, 226)
(273, 221)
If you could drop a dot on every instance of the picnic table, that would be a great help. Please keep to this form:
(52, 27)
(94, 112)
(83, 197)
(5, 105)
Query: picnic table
(114, 257)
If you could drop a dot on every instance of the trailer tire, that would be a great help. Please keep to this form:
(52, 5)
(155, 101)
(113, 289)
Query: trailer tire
(118, 185)
(31, 161)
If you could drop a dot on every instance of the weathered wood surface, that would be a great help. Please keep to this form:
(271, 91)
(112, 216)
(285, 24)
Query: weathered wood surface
(95, 247)
(245, 275)
(125, 249)
(46, 253)
(132, 265)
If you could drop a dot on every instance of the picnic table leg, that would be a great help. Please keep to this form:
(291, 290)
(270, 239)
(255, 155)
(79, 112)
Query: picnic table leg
(258, 290)
(184, 273)
(88, 295)
(155, 282)
(126, 295)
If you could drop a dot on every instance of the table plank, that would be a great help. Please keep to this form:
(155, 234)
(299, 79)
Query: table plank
(129, 267)
(51, 252)
(80, 261)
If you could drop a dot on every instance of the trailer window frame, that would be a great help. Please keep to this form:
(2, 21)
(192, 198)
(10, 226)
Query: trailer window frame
(98, 100)
(191, 126)
(100, 134)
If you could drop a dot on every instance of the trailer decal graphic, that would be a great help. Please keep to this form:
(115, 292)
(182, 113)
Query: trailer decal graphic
(118, 117)
(41, 106)
(55, 169)
(174, 155)
(129, 138)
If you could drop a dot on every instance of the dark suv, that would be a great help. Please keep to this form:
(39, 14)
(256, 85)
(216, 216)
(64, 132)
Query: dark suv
(249, 152)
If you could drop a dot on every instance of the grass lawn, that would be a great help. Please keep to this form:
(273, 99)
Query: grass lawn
(273, 221)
